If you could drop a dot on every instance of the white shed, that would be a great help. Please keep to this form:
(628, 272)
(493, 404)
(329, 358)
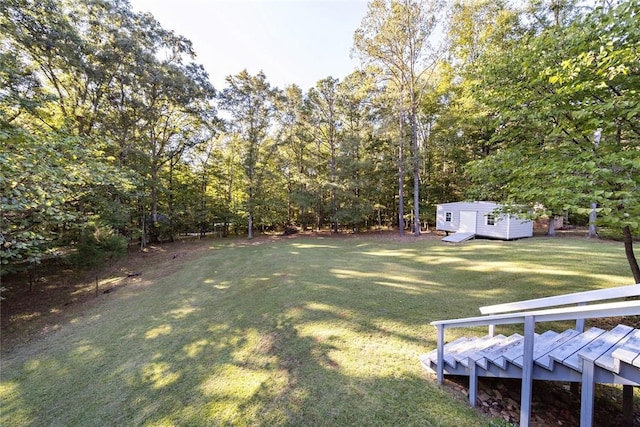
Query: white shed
(470, 219)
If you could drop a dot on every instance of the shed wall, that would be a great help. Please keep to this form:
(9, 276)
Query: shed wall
(504, 227)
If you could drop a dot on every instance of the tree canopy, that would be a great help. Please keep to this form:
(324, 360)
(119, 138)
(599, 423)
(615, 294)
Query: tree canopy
(107, 124)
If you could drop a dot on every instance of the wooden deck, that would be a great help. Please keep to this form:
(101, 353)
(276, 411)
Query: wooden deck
(575, 355)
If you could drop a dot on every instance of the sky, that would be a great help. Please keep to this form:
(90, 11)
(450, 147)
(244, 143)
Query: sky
(291, 41)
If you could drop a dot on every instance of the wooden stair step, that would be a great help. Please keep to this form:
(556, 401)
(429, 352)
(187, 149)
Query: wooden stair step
(562, 353)
(516, 351)
(597, 347)
(542, 348)
(606, 359)
(432, 356)
(450, 352)
(494, 354)
(541, 340)
(629, 352)
(473, 351)
(462, 353)
(434, 353)
(542, 355)
(510, 353)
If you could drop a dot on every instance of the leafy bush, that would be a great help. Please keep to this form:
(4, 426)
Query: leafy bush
(97, 244)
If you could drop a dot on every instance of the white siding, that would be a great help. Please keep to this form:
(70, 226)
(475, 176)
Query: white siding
(501, 223)
(442, 210)
(520, 228)
(505, 227)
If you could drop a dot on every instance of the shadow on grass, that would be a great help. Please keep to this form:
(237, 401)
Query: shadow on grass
(280, 334)
(189, 364)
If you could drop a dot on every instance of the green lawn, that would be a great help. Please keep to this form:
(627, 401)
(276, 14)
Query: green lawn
(308, 331)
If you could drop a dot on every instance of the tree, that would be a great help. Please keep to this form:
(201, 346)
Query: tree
(323, 119)
(54, 176)
(551, 98)
(477, 31)
(250, 101)
(296, 157)
(205, 162)
(176, 105)
(395, 35)
(43, 182)
(87, 87)
(360, 189)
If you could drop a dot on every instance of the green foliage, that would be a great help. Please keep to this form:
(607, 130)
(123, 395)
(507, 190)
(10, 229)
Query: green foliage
(97, 244)
(90, 118)
(46, 183)
(119, 127)
(566, 102)
(397, 37)
(252, 104)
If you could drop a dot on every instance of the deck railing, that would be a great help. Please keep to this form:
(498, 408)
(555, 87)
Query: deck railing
(579, 298)
(535, 311)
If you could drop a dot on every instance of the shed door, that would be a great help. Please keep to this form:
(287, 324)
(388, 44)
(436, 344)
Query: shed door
(467, 222)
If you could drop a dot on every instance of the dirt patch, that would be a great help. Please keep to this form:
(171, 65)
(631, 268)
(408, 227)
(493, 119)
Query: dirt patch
(552, 403)
(37, 305)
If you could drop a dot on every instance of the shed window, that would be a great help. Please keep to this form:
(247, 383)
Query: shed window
(448, 216)
(491, 219)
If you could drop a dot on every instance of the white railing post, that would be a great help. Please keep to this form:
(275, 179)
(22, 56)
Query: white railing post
(587, 393)
(440, 366)
(527, 371)
(529, 319)
(580, 322)
(473, 382)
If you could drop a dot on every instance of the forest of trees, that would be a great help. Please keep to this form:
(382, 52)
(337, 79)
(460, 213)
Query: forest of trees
(109, 132)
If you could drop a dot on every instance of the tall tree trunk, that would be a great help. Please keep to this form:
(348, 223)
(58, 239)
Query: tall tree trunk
(334, 206)
(250, 209)
(319, 210)
(401, 181)
(628, 249)
(416, 169)
(203, 203)
(153, 227)
(551, 229)
(593, 216)
(252, 185)
(230, 201)
(289, 204)
(143, 228)
(170, 205)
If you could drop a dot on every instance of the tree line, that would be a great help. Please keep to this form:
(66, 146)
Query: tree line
(111, 132)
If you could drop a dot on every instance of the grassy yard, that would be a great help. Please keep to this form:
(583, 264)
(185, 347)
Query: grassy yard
(307, 331)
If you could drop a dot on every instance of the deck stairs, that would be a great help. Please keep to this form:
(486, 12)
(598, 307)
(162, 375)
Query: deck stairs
(588, 357)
